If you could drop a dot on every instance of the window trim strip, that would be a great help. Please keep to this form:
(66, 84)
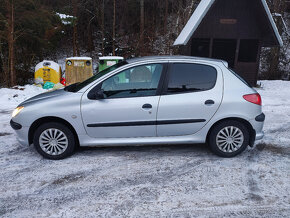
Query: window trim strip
(147, 123)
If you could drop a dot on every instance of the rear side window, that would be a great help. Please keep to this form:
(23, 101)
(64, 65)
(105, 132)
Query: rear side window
(191, 78)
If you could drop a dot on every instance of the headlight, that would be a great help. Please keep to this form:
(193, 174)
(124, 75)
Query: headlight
(17, 111)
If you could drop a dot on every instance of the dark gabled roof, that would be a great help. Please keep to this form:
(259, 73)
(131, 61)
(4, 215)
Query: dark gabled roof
(201, 11)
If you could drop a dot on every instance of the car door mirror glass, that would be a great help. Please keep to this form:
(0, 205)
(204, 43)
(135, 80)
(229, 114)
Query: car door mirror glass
(96, 94)
(100, 94)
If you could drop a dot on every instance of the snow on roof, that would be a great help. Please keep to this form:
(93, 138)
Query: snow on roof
(80, 58)
(51, 64)
(111, 58)
(194, 22)
(200, 13)
(277, 34)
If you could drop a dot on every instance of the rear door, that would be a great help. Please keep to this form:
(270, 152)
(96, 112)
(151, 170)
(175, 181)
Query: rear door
(192, 94)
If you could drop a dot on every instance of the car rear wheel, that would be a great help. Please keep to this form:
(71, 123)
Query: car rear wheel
(229, 138)
(54, 141)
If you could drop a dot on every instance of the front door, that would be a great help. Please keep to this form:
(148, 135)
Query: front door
(129, 107)
(193, 95)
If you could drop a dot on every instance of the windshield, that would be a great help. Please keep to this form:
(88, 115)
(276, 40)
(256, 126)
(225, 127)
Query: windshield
(78, 86)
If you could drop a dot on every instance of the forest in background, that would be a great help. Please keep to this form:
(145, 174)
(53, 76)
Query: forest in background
(34, 30)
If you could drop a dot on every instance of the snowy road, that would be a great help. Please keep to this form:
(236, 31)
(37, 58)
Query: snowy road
(162, 181)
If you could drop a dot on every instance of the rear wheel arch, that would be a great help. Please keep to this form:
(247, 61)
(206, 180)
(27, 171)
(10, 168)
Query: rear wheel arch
(247, 124)
(43, 120)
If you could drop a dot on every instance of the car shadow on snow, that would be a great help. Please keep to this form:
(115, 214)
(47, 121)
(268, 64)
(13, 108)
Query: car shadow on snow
(171, 150)
(275, 149)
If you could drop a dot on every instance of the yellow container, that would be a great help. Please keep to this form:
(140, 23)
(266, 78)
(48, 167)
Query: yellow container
(48, 71)
(78, 69)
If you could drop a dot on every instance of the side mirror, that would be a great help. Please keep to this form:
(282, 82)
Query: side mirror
(100, 94)
(96, 95)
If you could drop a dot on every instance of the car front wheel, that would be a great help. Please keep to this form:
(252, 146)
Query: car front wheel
(229, 138)
(54, 141)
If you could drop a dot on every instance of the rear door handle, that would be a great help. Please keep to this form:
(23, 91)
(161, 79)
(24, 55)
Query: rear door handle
(209, 102)
(147, 106)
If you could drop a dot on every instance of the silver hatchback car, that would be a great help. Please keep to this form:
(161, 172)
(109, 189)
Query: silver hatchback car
(146, 101)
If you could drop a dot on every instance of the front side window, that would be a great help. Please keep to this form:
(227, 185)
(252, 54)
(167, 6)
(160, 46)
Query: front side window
(78, 86)
(191, 78)
(134, 82)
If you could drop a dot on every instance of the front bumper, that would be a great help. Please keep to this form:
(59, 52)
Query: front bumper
(14, 125)
(22, 133)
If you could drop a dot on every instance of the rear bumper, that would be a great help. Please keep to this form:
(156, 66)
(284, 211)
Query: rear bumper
(260, 118)
(259, 135)
(258, 124)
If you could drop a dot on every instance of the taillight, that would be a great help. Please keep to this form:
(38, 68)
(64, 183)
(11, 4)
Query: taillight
(253, 98)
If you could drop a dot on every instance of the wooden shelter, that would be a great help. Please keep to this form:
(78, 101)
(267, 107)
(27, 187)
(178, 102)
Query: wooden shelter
(232, 30)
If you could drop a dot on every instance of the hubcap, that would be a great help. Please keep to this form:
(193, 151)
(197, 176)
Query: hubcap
(230, 139)
(53, 141)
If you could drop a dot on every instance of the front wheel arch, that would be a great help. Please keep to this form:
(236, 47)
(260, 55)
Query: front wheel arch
(248, 125)
(43, 120)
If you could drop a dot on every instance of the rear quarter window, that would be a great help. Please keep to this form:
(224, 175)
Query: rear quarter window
(240, 78)
(186, 77)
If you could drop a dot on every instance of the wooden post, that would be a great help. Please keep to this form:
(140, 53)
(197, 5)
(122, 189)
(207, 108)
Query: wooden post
(210, 47)
(237, 53)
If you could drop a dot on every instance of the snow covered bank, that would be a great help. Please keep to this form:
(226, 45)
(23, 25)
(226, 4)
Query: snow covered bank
(156, 181)
(276, 106)
(10, 98)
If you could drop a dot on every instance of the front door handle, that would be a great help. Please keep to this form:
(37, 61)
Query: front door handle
(147, 106)
(209, 102)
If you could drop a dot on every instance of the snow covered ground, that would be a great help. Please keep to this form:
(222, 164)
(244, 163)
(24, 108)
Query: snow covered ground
(160, 181)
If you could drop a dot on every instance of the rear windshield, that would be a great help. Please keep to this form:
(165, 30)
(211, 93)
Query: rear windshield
(240, 78)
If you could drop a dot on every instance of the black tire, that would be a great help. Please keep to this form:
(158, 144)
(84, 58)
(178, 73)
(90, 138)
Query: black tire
(212, 140)
(71, 145)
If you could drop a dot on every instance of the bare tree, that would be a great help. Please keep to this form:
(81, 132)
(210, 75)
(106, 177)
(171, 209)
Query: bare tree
(103, 27)
(76, 50)
(90, 31)
(114, 28)
(3, 65)
(166, 17)
(11, 42)
(274, 72)
(142, 21)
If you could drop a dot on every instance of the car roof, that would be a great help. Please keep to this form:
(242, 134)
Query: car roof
(175, 57)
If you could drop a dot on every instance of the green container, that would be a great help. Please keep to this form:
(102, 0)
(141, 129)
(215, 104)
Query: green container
(108, 61)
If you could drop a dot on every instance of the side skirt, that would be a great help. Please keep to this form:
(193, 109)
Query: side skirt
(111, 142)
